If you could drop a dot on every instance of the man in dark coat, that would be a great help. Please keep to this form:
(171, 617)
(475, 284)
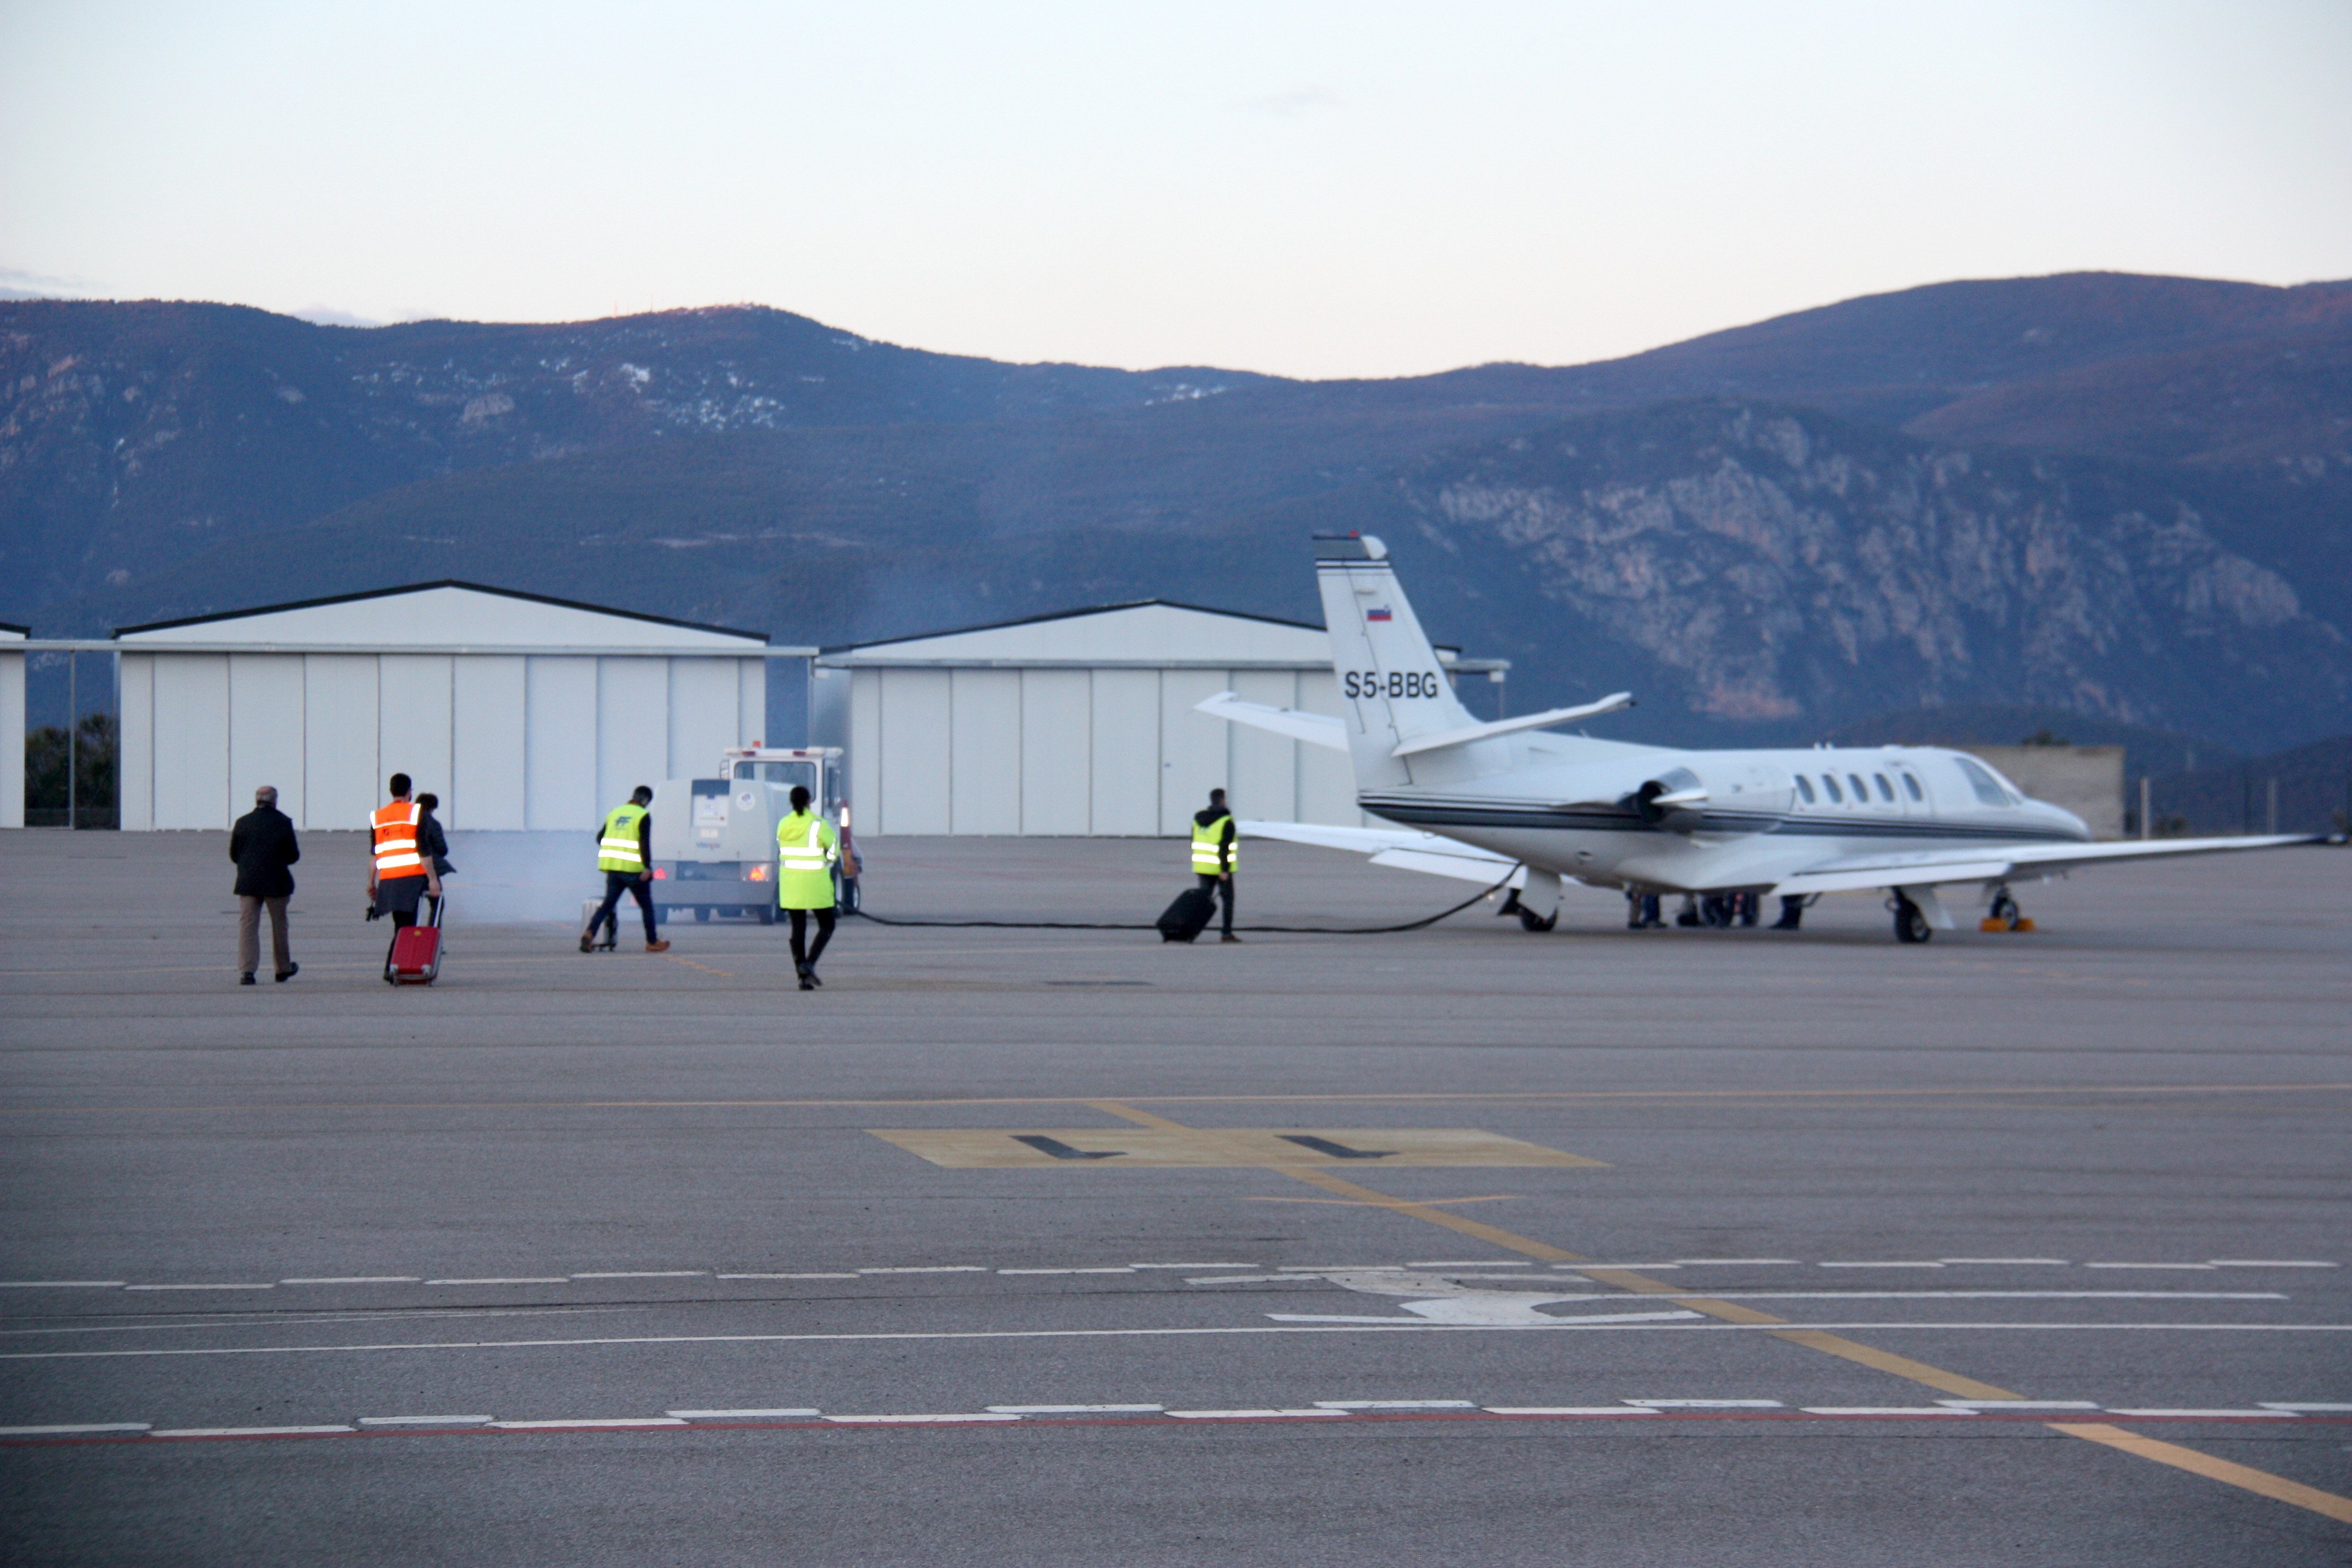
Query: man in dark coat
(262, 844)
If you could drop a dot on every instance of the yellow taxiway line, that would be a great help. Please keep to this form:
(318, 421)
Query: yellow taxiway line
(2277, 1488)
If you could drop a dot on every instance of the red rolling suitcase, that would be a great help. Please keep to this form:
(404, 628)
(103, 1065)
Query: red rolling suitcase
(415, 958)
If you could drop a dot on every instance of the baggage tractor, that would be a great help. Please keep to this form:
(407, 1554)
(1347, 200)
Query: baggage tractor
(415, 956)
(1188, 916)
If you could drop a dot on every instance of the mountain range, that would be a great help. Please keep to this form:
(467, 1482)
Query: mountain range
(2117, 496)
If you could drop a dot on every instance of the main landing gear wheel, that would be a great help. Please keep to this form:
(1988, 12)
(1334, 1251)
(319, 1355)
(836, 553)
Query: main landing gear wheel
(1910, 922)
(1530, 920)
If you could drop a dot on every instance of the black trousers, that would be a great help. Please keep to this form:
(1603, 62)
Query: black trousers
(802, 953)
(608, 913)
(1223, 887)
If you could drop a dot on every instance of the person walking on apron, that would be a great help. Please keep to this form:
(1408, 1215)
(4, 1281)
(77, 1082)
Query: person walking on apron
(806, 850)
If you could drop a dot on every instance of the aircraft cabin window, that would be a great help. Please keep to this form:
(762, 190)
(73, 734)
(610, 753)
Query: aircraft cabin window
(1804, 787)
(1988, 788)
(1861, 790)
(1829, 783)
(1886, 790)
(1913, 786)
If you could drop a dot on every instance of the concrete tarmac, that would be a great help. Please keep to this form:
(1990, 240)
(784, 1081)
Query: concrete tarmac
(1593, 1246)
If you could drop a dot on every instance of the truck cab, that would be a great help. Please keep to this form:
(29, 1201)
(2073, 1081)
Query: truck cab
(715, 838)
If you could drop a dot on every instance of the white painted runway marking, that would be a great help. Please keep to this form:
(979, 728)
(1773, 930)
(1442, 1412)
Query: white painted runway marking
(2206, 1267)
(648, 1274)
(2306, 1409)
(1249, 1415)
(1690, 1325)
(426, 1420)
(1074, 1409)
(2271, 1263)
(359, 1279)
(2012, 1262)
(788, 1277)
(1569, 1410)
(2157, 1410)
(60, 1284)
(252, 1431)
(587, 1425)
(73, 1431)
(1732, 1262)
(1998, 1404)
(740, 1414)
(1882, 1410)
(520, 1279)
(1878, 1265)
(1394, 1405)
(897, 1420)
(272, 1285)
(933, 1269)
(1708, 1404)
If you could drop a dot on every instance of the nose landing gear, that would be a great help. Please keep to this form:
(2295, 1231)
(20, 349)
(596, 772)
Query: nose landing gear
(2003, 915)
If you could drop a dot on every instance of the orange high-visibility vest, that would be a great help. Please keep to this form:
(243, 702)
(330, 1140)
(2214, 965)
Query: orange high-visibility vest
(396, 841)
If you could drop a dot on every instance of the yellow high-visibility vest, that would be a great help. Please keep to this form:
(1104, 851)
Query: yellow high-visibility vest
(806, 848)
(618, 850)
(1206, 861)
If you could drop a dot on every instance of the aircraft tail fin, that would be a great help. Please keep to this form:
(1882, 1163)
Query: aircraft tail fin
(1391, 686)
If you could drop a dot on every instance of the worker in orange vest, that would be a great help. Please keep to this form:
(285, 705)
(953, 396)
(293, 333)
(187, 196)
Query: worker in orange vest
(399, 875)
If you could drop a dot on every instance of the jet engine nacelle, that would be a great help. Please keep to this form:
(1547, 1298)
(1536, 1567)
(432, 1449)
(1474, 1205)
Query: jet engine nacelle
(1749, 798)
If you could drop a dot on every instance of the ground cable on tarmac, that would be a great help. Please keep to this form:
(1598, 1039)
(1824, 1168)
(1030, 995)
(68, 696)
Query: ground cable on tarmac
(861, 913)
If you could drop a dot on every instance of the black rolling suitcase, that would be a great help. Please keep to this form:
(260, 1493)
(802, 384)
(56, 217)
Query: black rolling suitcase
(1188, 916)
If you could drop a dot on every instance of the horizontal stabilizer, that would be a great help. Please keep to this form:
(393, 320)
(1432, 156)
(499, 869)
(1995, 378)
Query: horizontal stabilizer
(1315, 729)
(1463, 737)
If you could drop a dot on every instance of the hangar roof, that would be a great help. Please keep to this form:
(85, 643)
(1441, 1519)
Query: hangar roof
(450, 613)
(1150, 631)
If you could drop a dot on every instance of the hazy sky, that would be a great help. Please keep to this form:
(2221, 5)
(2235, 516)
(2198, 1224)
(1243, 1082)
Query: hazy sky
(1338, 189)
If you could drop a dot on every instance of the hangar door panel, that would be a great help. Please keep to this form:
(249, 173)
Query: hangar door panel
(192, 740)
(1125, 740)
(704, 707)
(1056, 725)
(338, 740)
(265, 730)
(865, 746)
(917, 711)
(485, 746)
(632, 727)
(136, 770)
(984, 771)
(1194, 757)
(560, 745)
(1266, 765)
(415, 718)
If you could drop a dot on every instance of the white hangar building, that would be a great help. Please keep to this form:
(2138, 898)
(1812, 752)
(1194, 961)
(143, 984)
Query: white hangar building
(518, 712)
(1082, 723)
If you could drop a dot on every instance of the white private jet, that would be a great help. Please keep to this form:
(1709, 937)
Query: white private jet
(1485, 801)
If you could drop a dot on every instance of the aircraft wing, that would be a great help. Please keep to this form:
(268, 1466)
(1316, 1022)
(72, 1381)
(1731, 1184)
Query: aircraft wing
(1403, 848)
(1980, 863)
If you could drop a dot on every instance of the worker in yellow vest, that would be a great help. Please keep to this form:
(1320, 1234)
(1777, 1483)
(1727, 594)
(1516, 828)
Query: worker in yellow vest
(1212, 855)
(807, 848)
(625, 853)
(399, 876)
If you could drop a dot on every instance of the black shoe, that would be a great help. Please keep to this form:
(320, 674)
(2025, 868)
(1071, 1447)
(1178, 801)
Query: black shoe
(244, 980)
(1229, 937)
(806, 982)
(812, 977)
(587, 941)
(291, 971)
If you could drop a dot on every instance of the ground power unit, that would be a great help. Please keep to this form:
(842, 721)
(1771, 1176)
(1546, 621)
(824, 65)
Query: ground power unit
(715, 838)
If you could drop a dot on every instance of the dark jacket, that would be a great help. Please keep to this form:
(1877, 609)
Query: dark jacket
(262, 844)
(433, 845)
